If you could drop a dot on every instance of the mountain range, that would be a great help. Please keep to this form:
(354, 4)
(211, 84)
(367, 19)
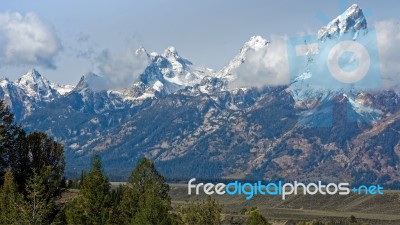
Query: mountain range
(187, 119)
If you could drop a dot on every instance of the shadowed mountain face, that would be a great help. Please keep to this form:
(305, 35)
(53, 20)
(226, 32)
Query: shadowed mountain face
(186, 119)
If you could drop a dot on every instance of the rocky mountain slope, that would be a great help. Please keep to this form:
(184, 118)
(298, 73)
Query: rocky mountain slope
(186, 119)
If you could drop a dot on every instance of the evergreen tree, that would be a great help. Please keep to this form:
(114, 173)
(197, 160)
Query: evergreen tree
(34, 152)
(151, 210)
(93, 205)
(352, 219)
(146, 197)
(255, 218)
(81, 179)
(39, 206)
(203, 212)
(47, 153)
(36, 165)
(10, 201)
(9, 133)
(19, 161)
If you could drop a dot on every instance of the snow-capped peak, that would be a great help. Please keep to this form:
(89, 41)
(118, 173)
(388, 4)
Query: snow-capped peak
(34, 84)
(352, 20)
(33, 76)
(4, 82)
(255, 43)
(170, 52)
(37, 86)
(176, 69)
(141, 51)
(28, 91)
(93, 82)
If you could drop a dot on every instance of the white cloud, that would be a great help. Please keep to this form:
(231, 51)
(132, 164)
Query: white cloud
(267, 66)
(25, 39)
(388, 37)
(122, 70)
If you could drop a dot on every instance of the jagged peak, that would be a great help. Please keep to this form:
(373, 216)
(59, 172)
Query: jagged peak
(32, 77)
(33, 74)
(141, 51)
(170, 52)
(351, 20)
(88, 76)
(92, 81)
(256, 42)
(154, 54)
(4, 79)
(353, 8)
(354, 12)
(172, 55)
(4, 82)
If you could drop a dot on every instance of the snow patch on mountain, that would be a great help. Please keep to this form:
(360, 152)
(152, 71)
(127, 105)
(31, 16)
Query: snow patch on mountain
(62, 89)
(363, 111)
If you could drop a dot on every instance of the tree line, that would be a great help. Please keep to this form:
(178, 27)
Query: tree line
(32, 183)
(32, 188)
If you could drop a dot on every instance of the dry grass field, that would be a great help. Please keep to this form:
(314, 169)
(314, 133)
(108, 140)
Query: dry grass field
(380, 209)
(375, 210)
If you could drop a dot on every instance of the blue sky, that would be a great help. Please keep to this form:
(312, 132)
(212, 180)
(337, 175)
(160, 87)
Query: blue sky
(206, 32)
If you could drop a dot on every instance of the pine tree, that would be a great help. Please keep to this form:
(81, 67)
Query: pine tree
(93, 205)
(151, 210)
(129, 204)
(201, 212)
(146, 197)
(39, 206)
(255, 218)
(34, 152)
(353, 220)
(10, 201)
(19, 162)
(36, 165)
(81, 179)
(9, 133)
(47, 153)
